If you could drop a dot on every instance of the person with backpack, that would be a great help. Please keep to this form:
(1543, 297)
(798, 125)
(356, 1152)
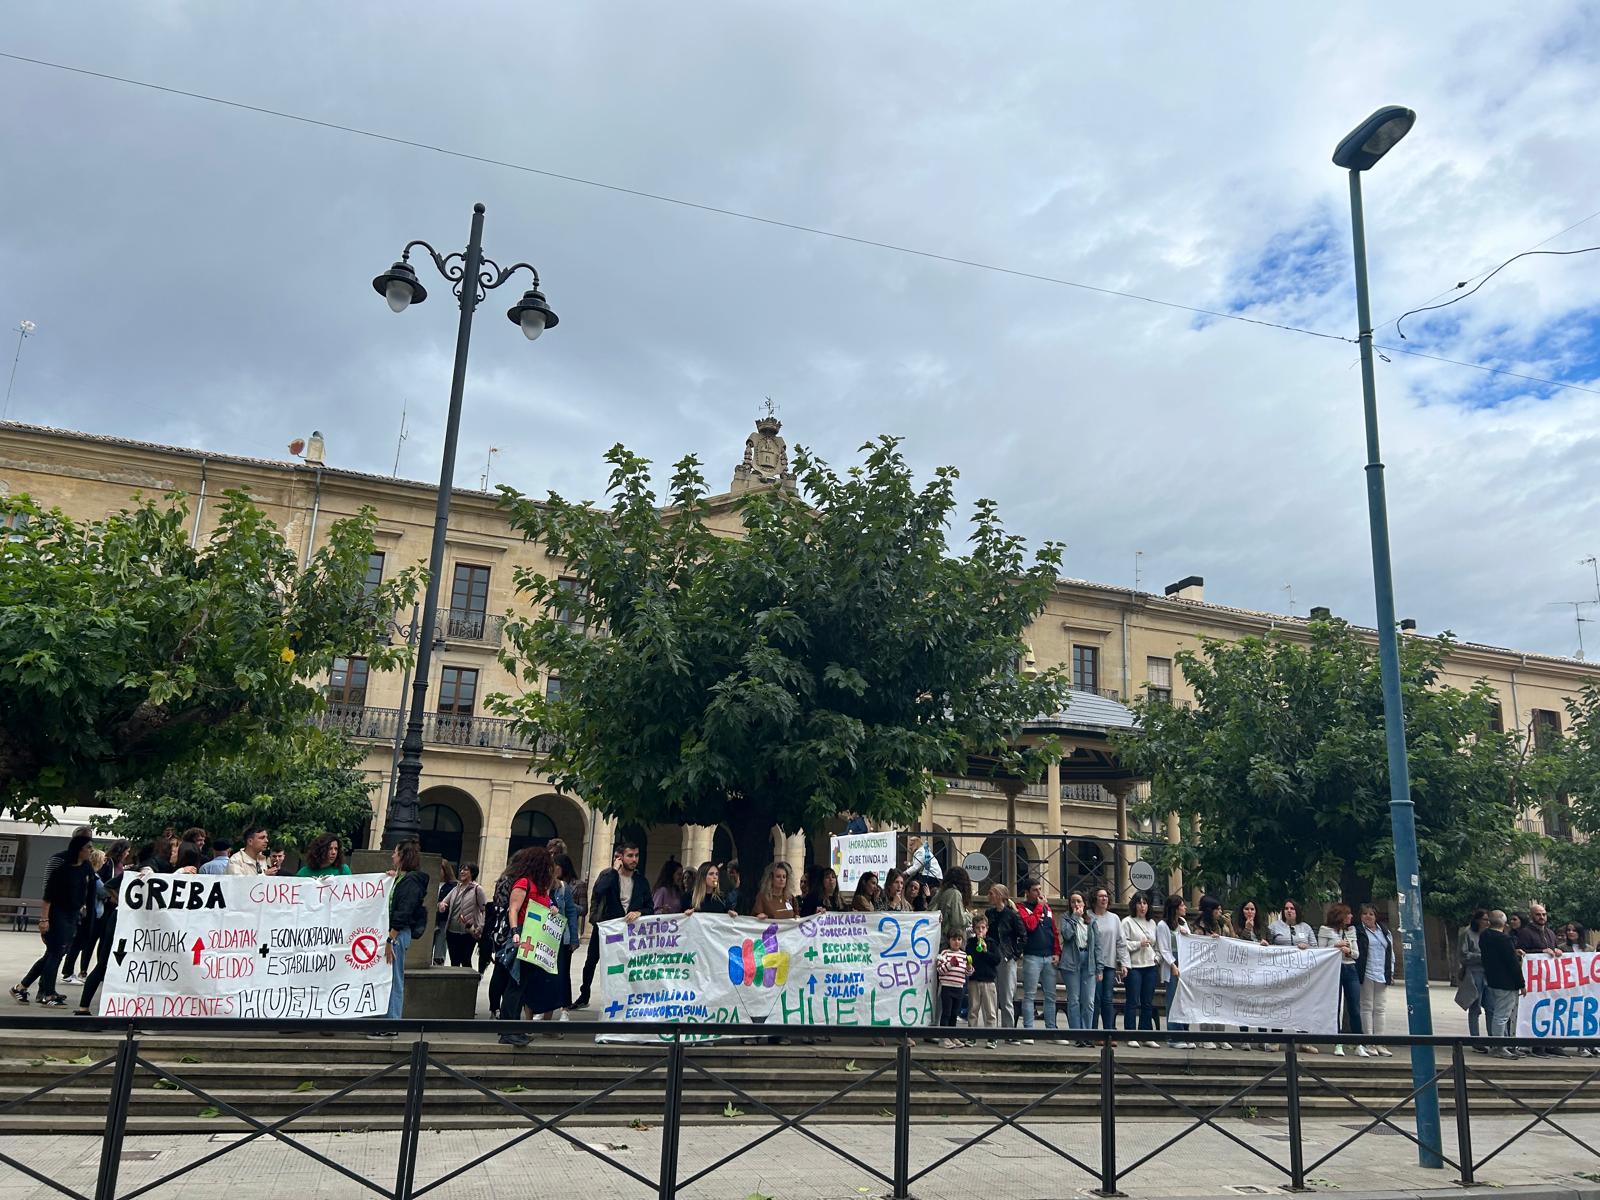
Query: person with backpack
(533, 993)
(408, 920)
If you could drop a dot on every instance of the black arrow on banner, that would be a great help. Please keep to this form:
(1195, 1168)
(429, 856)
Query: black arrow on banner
(121, 952)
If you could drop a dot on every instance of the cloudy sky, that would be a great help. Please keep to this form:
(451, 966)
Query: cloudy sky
(201, 275)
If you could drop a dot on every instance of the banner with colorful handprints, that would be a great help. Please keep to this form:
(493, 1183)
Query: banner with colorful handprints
(836, 968)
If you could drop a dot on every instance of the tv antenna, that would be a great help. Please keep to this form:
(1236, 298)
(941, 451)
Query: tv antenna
(1138, 565)
(1577, 607)
(24, 330)
(1593, 563)
(1289, 587)
(400, 441)
(488, 466)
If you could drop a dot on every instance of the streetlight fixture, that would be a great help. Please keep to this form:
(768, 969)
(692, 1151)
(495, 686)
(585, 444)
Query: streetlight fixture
(474, 276)
(1361, 150)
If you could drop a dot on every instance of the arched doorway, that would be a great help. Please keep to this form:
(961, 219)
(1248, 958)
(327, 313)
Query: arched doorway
(551, 816)
(452, 826)
(994, 849)
(530, 828)
(1085, 868)
(722, 849)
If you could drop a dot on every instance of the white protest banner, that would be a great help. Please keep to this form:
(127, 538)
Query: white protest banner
(249, 946)
(836, 968)
(855, 854)
(1224, 981)
(1563, 998)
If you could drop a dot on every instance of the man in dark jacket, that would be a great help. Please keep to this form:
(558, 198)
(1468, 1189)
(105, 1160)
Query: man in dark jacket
(619, 892)
(1502, 975)
(1537, 937)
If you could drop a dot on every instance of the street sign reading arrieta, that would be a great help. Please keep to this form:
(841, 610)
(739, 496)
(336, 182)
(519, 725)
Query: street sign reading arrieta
(976, 866)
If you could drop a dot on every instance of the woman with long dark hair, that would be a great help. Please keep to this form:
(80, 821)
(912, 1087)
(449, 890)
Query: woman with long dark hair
(1172, 923)
(1474, 988)
(667, 898)
(1139, 987)
(894, 892)
(533, 994)
(447, 883)
(954, 896)
(463, 915)
(408, 920)
(110, 895)
(868, 895)
(66, 890)
(1212, 922)
(1250, 925)
(324, 856)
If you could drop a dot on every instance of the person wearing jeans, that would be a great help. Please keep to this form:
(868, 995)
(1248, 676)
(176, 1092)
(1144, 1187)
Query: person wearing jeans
(1080, 964)
(1107, 927)
(1005, 929)
(1041, 950)
(408, 920)
(1502, 972)
(1172, 923)
(1139, 940)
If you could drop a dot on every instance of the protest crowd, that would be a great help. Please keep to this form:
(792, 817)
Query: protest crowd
(1005, 962)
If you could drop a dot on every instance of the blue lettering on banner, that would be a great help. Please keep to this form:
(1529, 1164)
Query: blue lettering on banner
(1566, 1016)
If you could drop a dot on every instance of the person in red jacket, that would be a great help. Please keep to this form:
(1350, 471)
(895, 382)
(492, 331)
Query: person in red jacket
(1041, 950)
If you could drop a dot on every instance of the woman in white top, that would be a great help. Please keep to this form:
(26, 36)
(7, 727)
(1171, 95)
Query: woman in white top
(1139, 988)
(1290, 930)
(1171, 924)
(1338, 932)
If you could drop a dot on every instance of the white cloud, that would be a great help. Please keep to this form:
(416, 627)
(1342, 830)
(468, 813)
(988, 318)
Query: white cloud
(203, 273)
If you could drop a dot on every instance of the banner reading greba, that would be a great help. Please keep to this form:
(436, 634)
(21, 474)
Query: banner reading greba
(1563, 996)
(249, 946)
(836, 968)
(1223, 981)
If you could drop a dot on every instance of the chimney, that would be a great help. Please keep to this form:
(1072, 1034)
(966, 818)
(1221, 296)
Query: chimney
(1321, 613)
(314, 449)
(1408, 625)
(1192, 587)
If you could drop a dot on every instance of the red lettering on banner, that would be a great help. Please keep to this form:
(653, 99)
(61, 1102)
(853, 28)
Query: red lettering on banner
(275, 891)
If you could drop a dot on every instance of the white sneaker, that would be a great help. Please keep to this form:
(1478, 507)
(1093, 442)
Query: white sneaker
(1339, 1051)
(1363, 1052)
(563, 1016)
(1208, 1045)
(1225, 1045)
(1385, 1051)
(1132, 1044)
(1024, 1041)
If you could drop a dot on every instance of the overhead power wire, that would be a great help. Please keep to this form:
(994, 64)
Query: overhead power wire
(755, 218)
(1481, 282)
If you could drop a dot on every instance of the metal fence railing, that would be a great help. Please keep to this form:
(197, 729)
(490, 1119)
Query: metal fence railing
(680, 1064)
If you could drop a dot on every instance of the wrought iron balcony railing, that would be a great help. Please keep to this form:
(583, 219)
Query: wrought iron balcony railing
(438, 729)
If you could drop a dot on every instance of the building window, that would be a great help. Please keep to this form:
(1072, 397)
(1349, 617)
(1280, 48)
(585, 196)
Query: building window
(458, 691)
(374, 572)
(347, 682)
(1159, 671)
(469, 601)
(1086, 668)
(552, 688)
(530, 828)
(1497, 717)
(1546, 728)
(568, 616)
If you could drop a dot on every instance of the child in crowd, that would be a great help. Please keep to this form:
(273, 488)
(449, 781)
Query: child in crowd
(953, 968)
(983, 1010)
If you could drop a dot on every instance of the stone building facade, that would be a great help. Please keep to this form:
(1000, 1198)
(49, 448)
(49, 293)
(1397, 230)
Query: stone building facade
(482, 799)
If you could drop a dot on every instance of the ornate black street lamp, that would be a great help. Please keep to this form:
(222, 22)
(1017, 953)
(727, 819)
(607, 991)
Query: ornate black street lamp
(474, 276)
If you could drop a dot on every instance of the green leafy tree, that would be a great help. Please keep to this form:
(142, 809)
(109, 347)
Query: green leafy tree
(298, 786)
(1567, 785)
(125, 650)
(1279, 772)
(833, 656)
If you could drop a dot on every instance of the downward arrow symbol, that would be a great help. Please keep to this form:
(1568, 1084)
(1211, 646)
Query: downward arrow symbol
(121, 952)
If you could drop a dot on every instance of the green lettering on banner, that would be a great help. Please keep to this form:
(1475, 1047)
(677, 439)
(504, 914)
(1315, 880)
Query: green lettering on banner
(542, 931)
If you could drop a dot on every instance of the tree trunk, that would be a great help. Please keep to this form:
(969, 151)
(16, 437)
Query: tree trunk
(750, 823)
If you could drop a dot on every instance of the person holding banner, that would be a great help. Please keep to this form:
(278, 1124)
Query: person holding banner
(1171, 924)
(408, 920)
(618, 892)
(894, 892)
(533, 993)
(868, 896)
(772, 897)
(708, 897)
